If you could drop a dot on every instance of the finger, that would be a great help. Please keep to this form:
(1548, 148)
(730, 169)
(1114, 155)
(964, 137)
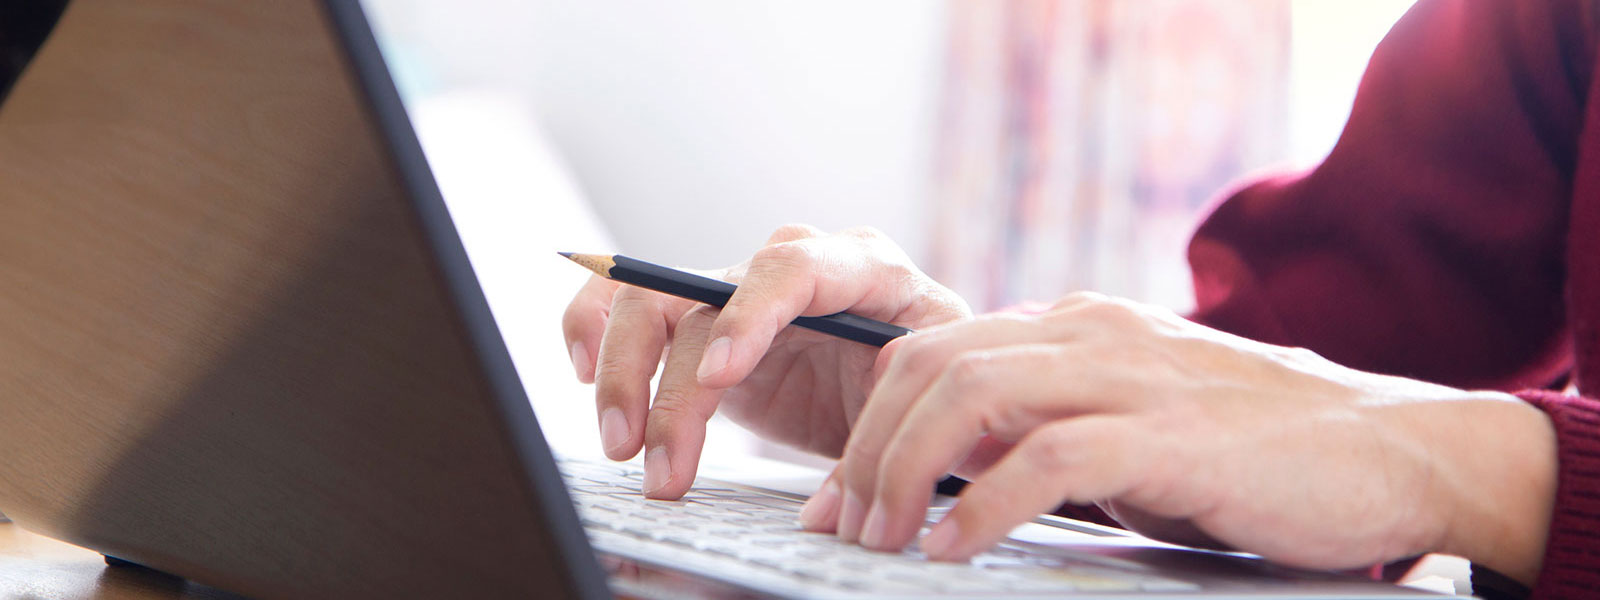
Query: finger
(912, 365)
(584, 323)
(1076, 460)
(984, 454)
(1003, 393)
(675, 430)
(630, 351)
(820, 513)
(806, 277)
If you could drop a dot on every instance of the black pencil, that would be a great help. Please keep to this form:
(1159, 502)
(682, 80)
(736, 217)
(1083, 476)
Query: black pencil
(716, 293)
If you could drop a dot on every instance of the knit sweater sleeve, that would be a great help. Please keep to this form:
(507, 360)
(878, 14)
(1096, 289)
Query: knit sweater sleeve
(1571, 567)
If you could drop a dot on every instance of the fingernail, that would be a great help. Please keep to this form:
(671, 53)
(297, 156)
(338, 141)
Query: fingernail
(938, 542)
(613, 429)
(821, 506)
(580, 361)
(872, 531)
(850, 517)
(716, 357)
(656, 470)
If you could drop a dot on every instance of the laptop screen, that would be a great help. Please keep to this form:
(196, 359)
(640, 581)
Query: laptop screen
(244, 344)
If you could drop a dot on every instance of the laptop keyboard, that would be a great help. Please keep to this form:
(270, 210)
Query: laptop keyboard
(751, 537)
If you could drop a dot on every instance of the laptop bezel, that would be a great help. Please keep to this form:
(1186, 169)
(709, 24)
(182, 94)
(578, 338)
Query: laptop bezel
(387, 109)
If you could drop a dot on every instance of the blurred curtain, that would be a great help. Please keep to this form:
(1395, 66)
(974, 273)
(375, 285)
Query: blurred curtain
(1078, 139)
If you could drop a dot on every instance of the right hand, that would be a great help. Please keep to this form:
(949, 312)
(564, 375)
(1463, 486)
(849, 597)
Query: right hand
(787, 384)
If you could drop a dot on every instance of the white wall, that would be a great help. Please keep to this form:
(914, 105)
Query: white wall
(695, 127)
(1331, 44)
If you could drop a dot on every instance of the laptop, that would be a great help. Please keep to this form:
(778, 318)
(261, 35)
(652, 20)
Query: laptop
(243, 344)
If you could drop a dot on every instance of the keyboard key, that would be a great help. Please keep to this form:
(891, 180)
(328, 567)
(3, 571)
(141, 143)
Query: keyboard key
(764, 559)
(852, 583)
(914, 580)
(772, 502)
(598, 489)
(727, 550)
(716, 492)
(721, 525)
(679, 539)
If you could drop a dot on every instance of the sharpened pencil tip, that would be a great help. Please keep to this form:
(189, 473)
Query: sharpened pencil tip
(598, 263)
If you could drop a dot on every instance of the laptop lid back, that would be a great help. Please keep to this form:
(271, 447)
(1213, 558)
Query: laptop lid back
(239, 339)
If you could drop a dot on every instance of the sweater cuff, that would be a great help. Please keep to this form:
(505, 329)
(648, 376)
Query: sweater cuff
(1571, 566)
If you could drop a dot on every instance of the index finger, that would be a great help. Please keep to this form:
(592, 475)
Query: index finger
(914, 363)
(1078, 460)
(807, 277)
(1005, 393)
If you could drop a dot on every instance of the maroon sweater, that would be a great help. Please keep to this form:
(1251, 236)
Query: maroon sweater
(1452, 235)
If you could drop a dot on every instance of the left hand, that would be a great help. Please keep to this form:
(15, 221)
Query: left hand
(1183, 433)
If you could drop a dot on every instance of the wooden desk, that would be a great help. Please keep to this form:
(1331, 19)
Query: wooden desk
(34, 566)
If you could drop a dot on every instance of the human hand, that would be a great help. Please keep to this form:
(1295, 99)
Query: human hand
(791, 385)
(1187, 434)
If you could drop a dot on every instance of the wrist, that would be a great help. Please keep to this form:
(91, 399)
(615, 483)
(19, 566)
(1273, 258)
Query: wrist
(1495, 480)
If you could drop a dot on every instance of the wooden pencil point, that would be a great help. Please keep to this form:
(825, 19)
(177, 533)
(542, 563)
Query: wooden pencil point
(598, 263)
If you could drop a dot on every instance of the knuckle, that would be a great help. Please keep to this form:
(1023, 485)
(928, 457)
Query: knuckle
(1051, 449)
(634, 317)
(1111, 312)
(611, 363)
(1302, 355)
(901, 272)
(1006, 318)
(696, 322)
(784, 255)
(968, 372)
(1080, 297)
(912, 354)
(632, 297)
(876, 244)
(789, 232)
(671, 407)
(670, 401)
